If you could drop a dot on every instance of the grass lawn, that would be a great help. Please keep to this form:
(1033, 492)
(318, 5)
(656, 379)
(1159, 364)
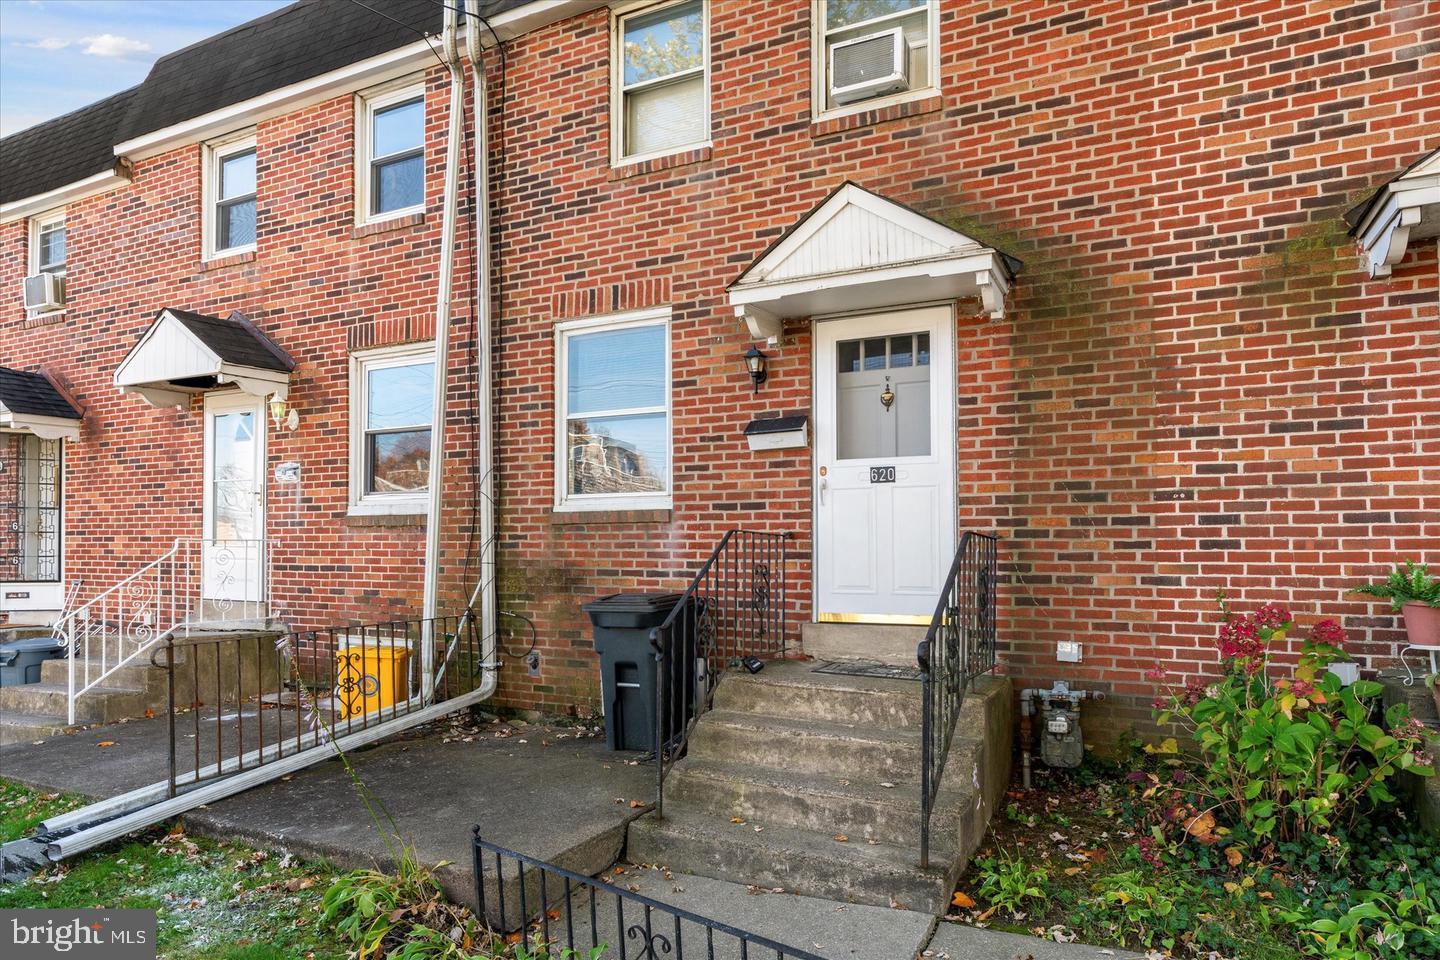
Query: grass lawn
(215, 901)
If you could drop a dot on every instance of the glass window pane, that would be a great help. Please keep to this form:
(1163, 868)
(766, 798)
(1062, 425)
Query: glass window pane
(398, 462)
(849, 353)
(666, 116)
(616, 370)
(52, 248)
(922, 352)
(618, 454)
(399, 184)
(237, 175)
(398, 128)
(235, 225)
(875, 354)
(843, 13)
(664, 42)
(400, 396)
(900, 350)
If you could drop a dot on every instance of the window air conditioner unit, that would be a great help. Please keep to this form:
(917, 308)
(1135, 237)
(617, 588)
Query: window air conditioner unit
(869, 66)
(44, 291)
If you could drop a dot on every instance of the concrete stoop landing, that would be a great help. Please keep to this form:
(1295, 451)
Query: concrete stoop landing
(37, 711)
(805, 758)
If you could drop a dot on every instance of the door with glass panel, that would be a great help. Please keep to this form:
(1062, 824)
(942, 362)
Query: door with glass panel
(884, 465)
(232, 554)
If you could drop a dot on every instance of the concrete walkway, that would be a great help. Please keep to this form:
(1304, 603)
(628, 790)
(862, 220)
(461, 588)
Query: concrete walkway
(544, 791)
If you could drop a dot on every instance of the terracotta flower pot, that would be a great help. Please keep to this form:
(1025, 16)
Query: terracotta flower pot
(1422, 624)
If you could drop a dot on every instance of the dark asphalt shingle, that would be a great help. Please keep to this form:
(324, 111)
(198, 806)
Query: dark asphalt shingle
(33, 394)
(51, 154)
(235, 340)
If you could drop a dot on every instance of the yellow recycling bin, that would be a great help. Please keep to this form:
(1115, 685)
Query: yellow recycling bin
(370, 676)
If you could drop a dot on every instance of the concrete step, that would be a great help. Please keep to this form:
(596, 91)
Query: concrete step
(795, 690)
(829, 803)
(28, 727)
(101, 705)
(137, 674)
(801, 861)
(806, 746)
(862, 641)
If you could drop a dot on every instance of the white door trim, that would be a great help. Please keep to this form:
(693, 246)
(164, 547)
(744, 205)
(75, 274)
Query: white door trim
(251, 557)
(944, 399)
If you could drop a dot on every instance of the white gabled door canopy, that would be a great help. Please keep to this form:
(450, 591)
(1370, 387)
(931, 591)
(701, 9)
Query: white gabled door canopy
(185, 353)
(1406, 208)
(859, 251)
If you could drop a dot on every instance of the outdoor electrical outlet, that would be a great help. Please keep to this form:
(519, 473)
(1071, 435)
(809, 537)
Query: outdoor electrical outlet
(1068, 651)
(532, 660)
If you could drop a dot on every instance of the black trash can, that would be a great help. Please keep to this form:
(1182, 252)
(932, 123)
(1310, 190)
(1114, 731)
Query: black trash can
(628, 668)
(21, 660)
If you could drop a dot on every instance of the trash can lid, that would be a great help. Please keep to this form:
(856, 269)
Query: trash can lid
(32, 644)
(633, 603)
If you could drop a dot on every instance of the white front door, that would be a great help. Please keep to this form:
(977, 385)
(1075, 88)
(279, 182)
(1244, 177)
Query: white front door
(884, 465)
(233, 553)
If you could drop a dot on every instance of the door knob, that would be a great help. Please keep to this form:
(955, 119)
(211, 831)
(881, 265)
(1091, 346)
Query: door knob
(824, 486)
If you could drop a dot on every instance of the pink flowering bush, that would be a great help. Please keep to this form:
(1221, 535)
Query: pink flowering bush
(1286, 750)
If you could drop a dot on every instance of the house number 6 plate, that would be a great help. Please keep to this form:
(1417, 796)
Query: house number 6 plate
(882, 474)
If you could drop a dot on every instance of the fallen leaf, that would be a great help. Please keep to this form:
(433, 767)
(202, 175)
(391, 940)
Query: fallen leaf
(841, 838)
(149, 714)
(737, 819)
(106, 743)
(1071, 871)
(1234, 856)
(962, 899)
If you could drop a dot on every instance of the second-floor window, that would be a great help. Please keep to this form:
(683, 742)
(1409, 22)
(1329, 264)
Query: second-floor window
(661, 99)
(871, 52)
(49, 245)
(230, 214)
(391, 173)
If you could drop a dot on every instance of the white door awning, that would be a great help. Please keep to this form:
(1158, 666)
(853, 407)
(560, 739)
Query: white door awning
(1404, 209)
(857, 251)
(185, 353)
(31, 403)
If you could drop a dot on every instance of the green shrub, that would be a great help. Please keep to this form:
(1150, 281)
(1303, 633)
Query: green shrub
(1008, 883)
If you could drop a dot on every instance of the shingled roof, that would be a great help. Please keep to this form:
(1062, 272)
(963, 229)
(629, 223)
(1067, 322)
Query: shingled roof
(22, 392)
(234, 339)
(295, 43)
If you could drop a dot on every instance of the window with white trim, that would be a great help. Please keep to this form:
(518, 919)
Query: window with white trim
(661, 65)
(843, 22)
(392, 395)
(613, 412)
(390, 154)
(47, 250)
(230, 185)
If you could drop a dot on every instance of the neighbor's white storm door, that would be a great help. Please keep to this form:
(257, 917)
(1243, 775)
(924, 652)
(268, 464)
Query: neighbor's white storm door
(884, 464)
(233, 551)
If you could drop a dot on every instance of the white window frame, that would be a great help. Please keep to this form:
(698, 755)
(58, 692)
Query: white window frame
(367, 104)
(619, 13)
(819, 65)
(216, 153)
(363, 503)
(38, 224)
(566, 502)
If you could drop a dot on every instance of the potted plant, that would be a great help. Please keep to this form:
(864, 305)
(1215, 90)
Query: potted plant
(1413, 592)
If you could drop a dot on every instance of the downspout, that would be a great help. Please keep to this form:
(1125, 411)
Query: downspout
(484, 441)
(442, 345)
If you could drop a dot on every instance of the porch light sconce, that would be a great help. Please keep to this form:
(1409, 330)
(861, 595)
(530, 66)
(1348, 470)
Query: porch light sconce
(755, 363)
(282, 414)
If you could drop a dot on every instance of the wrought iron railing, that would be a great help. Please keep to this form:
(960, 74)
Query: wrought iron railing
(196, 581)
(561, 910)
(238, 702)
(735, 607)
(958, 647)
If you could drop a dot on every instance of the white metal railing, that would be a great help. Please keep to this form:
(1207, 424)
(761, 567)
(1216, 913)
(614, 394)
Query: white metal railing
(197, 581)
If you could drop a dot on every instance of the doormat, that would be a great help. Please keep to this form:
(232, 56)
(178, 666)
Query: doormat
(868, 668)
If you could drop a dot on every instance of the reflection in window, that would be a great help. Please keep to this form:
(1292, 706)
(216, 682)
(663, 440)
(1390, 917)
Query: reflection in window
(854, 19)
(662, 79)
(397, 161)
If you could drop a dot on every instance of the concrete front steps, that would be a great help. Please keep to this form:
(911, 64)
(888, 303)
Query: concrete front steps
(806, 757)
(37, 711)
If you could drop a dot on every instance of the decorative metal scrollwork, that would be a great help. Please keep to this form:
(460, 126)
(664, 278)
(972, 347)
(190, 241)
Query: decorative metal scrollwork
(652, 945)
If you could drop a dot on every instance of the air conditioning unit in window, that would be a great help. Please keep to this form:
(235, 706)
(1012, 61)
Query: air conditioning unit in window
(869, 66)
(44, 291)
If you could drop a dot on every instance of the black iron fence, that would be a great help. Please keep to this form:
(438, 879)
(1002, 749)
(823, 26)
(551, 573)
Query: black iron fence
(958, 647)
(567, 911)
(238, 701)
(736, 607)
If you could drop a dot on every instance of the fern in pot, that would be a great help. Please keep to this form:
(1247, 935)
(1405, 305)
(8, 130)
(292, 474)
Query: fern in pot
(1414, 594)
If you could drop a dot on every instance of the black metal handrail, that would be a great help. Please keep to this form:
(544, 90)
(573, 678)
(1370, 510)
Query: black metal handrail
(241, 700)
(958, 647)
(568, 911)
(735, 607)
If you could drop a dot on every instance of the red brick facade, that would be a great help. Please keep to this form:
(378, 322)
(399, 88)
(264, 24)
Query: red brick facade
(1195, 388)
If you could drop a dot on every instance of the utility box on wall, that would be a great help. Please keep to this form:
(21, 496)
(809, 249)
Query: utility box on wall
(778, 433)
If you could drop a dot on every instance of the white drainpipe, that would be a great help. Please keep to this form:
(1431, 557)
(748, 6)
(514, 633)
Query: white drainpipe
(484, 449)
(442, 341)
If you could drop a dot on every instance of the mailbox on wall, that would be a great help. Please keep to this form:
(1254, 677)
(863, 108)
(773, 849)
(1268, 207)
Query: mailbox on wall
(778, 433)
